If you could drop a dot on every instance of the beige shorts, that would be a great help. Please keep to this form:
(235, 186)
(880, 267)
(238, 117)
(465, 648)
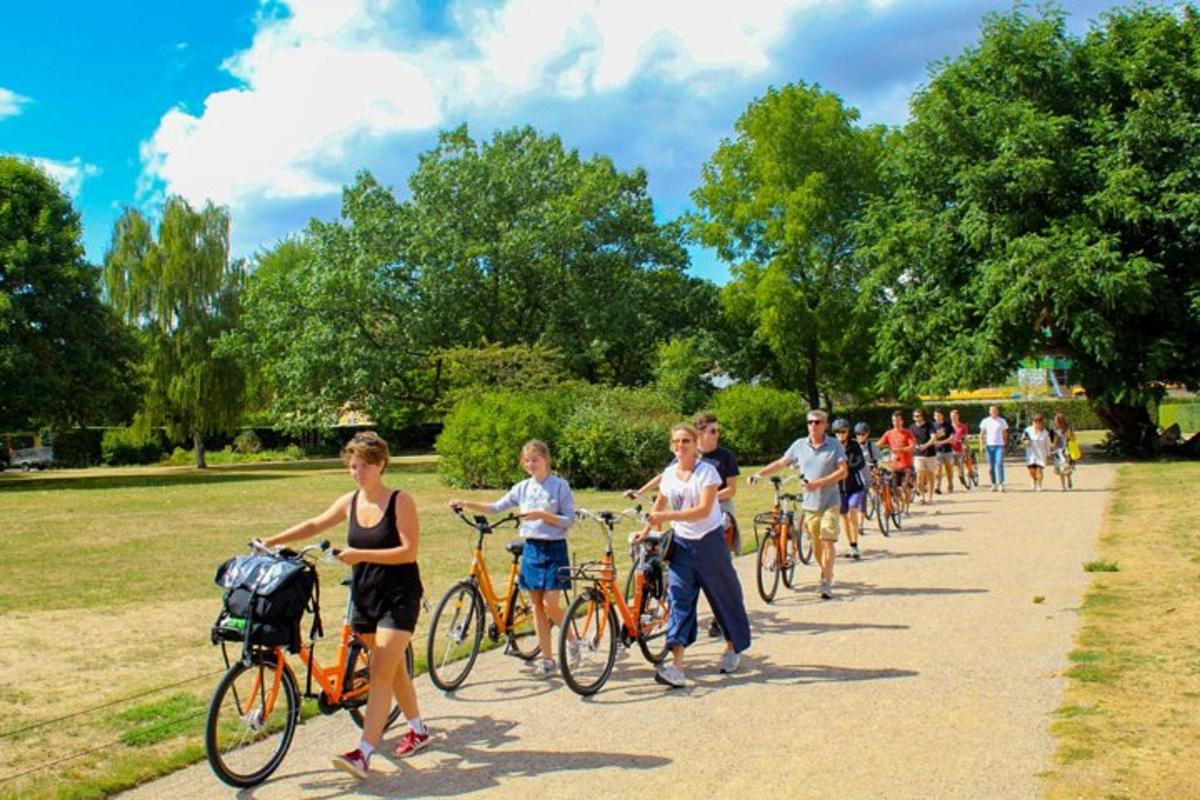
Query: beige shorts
(822, 524)
(926, 464)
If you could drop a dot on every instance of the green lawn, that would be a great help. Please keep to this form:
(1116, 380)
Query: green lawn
(112, 569)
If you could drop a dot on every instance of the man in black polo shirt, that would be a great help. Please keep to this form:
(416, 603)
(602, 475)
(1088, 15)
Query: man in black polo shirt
(925, 456)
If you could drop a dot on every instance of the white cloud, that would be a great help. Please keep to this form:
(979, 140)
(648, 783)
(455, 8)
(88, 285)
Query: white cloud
(11, 103)
(331, 77)
(69, 175)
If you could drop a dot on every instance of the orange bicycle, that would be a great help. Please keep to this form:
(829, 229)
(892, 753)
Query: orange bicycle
(456, 630)
(888, 509)
(258, 697)
(599, 614)
(783, 544)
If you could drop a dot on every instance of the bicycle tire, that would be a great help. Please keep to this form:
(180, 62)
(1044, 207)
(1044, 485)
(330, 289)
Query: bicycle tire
(804, 542)
(768, 566)
(872, 499)
(592, 622)
(882, 516)
(522, 636)
(237, 734)
(441, 653)
(358, 661)
(656, 614)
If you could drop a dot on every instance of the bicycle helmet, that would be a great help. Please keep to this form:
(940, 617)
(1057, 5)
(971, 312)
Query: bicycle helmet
(841, 424)
(861, 427)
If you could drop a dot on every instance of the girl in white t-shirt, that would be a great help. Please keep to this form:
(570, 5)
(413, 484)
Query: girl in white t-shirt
(687, 500)
(1037, 450)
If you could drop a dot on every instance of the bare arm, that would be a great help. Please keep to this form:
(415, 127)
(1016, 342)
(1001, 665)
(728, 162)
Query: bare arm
(708, 496)
(311, 527)
(770, 469)
(838, 474)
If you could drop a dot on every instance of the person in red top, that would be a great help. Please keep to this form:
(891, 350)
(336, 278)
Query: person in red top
(902, 443)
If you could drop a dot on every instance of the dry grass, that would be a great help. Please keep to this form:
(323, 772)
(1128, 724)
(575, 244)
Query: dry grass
(107, 593)
(1128, 727)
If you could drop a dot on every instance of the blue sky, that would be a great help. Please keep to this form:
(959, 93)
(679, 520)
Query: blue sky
(270, 107)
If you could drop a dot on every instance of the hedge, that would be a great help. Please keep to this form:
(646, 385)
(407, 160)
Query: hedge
(481, 438)
(758, 422)
(616, 438)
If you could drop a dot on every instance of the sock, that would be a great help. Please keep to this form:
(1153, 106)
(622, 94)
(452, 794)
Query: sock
(417, 726)
(365, 748)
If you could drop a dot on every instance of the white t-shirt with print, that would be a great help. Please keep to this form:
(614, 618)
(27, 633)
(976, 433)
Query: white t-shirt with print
(686, 494)
(993, 430)
(1037, 450)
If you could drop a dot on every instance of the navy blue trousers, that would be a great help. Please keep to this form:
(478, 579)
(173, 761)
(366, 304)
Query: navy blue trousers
(703, 565)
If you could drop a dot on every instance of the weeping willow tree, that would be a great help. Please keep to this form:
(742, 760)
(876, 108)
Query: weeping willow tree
(182, 292)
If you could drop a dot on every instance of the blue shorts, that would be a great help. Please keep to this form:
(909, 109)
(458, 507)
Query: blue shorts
(541, 565)
(856, 500)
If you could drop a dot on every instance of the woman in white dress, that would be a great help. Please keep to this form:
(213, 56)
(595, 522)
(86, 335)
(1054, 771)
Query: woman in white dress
(1037, 451)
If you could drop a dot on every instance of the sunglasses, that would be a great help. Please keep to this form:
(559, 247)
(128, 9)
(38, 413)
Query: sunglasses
(815, 421)
(681, 441)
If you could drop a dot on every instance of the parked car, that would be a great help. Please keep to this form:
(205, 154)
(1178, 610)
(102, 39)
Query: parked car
(31, 458)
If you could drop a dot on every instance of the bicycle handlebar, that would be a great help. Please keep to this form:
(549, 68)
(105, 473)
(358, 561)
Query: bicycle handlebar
(480, 522)
(610, 518)
(261, 548)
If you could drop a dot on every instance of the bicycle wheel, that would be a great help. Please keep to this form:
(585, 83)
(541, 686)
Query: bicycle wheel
(804, 543)
(591, 622)
(655, 614)
(251, 720)
(358, 676)
(898, 509)
(522, 638)
(883, 511)
(872, 501)
(769, 561)
(455, 634)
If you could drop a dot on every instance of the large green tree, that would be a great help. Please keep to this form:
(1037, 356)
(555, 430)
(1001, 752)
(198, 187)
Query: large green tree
(183, 291)
(65, 358)
(779, 201)
(515, 242)
(1047, 194)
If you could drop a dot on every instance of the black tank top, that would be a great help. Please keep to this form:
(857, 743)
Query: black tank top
(377, 587)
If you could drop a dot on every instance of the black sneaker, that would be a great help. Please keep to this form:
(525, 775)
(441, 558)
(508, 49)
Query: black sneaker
(714, 629)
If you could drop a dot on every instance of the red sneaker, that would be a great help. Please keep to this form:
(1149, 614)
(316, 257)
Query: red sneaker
(411, 743)
(353, 762)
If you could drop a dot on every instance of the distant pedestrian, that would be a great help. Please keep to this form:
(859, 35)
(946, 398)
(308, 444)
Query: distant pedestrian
(993, 433)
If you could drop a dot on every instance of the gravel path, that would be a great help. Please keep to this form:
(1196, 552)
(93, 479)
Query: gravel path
(933, 674)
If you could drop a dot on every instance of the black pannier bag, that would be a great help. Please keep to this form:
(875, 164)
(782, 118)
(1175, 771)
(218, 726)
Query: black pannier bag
(265, 596)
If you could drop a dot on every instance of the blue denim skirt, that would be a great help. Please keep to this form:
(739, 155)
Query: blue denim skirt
(541, 563)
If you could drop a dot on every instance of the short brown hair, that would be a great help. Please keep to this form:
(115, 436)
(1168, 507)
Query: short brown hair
(535, 446)
(703, 419)
(368, 446)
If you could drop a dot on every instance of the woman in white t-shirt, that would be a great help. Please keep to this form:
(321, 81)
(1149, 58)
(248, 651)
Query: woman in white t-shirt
(993, 433)
(687, 500)
(1037, 450)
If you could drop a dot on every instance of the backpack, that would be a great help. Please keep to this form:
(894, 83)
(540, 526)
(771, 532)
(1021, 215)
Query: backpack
(264, 600)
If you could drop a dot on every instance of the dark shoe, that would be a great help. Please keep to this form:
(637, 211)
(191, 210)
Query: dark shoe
(353, 762)
(714, 629)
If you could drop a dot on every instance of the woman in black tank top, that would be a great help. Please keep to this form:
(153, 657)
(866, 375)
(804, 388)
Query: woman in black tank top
(383, 538)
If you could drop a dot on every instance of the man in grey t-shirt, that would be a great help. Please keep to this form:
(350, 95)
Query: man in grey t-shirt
(822, 463)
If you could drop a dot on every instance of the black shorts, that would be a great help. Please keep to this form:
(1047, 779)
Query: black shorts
(400, 615)
(899, 475)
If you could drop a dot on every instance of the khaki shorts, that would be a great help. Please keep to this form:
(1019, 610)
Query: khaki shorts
(926, 464)
(822, 524)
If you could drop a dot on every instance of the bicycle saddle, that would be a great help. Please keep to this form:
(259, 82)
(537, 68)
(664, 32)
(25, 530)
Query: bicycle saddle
(516, 547)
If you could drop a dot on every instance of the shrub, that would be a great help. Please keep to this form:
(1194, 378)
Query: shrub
(757, 422)
(133, 445)
(481, 439)
(615, 438)
(247, 442)
(78, 447)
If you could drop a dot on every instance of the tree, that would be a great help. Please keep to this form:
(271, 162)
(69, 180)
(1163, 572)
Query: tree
(65, 359)
(1045, 195)
(518, 240)
(183, 292)
(512, 246)
(779, 202)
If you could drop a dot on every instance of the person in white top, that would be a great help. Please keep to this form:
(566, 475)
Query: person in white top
(687, 499)
(993, 430)
(1037, 450)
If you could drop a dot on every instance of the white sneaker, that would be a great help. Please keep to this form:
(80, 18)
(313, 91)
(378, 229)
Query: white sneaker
(672, 676)
(545, 668)
(1002, 488)
(729, 662)
(995, 488)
